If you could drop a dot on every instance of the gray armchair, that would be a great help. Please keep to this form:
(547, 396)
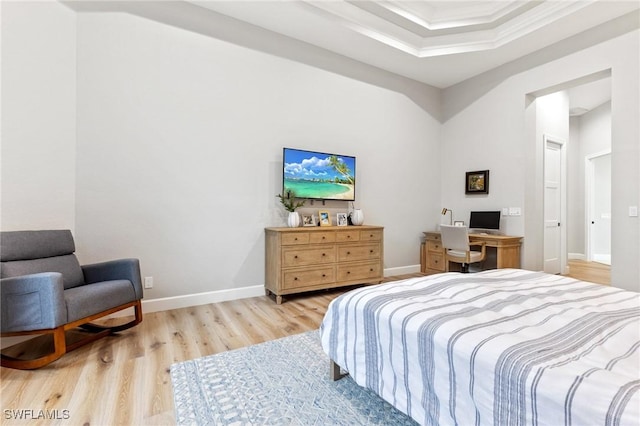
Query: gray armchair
(44, 290)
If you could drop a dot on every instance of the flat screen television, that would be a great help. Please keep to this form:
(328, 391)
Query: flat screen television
(319, 175)
(484, 220)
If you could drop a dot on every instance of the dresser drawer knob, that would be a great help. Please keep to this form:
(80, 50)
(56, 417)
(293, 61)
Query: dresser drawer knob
(324, 275)
(370, 269)
(324, 254)
(348, 253)
(371, 251)
(295, 278)
(295, 257)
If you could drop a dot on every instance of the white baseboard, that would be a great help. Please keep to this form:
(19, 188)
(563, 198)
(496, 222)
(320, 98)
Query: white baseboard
(576, 256)
(401, 270)
(187, 300)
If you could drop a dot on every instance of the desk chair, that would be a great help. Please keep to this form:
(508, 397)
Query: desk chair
(455, 241)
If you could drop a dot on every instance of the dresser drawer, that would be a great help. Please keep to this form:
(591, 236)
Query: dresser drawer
(308, 277)
(345, 236)
(436, 262)
(434, 246)
(322, 237)
(308, 256)
(358, 252)
(373, 235)
(294, 238)
(359, 271)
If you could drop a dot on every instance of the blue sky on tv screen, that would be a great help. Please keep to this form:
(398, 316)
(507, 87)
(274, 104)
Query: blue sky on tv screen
(313, 165)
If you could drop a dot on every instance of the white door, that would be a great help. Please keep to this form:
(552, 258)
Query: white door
(600, 210)
(552, 207)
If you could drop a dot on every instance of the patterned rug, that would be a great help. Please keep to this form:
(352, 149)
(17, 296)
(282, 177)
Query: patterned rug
(281, 382)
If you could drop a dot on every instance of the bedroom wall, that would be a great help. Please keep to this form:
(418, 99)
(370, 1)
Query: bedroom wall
(38, 116)
(489, 113)
(180, 140)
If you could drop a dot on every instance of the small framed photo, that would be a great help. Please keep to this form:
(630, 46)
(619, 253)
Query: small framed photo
(341, 219)
(308, 220)
(458, 223)
(325, 219)
(477, 182)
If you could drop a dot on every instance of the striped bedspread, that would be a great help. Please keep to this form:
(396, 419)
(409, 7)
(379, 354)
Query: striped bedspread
(501, 347)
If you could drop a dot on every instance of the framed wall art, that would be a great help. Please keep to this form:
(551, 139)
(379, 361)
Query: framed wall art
(477, 182)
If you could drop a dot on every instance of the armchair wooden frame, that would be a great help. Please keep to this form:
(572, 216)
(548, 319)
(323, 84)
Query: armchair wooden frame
(60, 346)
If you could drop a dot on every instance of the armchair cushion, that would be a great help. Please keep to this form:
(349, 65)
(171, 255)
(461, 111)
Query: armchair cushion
(67, 265)
(32, 252)
(25, 245)
(89, 299)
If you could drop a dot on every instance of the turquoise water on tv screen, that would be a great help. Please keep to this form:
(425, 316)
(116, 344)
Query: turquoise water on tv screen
(310, 189)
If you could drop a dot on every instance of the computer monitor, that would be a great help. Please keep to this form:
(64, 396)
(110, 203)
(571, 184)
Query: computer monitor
(484, 220)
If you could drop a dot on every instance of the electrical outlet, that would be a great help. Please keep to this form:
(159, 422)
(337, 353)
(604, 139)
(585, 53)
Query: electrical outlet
(148, 282)
(515, 211)
(633, 211)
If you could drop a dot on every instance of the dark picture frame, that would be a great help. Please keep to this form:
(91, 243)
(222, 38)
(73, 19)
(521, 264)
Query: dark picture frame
(477, 182)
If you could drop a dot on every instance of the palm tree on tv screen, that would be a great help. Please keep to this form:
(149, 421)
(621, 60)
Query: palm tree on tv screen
(341, 168)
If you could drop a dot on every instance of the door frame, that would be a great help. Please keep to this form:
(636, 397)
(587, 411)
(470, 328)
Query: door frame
(589, 171)
(563, 198)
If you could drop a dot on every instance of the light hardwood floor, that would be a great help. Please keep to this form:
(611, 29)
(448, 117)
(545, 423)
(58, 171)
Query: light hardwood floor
(124, 379)
(590, 271)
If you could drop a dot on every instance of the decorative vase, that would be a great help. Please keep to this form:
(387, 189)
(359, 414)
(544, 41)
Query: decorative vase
(293, 220)
(357, 217)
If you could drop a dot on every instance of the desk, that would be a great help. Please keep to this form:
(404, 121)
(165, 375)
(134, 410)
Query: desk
(507, 250)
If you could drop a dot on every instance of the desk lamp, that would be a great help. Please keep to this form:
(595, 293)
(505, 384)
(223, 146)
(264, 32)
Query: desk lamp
(445, 211)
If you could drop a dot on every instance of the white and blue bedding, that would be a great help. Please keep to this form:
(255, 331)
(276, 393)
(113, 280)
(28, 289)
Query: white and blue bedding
(501, 347)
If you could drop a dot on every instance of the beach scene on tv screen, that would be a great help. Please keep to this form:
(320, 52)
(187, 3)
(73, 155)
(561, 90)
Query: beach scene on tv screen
(318, 175)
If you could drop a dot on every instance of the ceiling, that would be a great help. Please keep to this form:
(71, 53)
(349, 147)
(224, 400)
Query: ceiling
(440, 43)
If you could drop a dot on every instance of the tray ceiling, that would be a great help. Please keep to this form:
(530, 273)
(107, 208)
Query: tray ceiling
(437, 42)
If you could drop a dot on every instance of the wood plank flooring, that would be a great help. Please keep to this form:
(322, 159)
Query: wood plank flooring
(590, 271)
(124, 379)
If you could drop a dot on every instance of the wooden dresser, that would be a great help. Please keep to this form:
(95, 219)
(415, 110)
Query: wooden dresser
(314, 258)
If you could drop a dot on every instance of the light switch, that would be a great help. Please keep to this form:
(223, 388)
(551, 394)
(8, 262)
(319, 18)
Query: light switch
(633, 211)
(505, 211)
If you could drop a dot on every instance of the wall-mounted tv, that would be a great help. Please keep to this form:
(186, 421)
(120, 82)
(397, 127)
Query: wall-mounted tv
(319, 175)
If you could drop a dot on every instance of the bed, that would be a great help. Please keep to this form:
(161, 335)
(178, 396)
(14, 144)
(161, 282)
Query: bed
(501, 347)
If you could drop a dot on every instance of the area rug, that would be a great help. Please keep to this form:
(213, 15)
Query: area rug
(280, 382)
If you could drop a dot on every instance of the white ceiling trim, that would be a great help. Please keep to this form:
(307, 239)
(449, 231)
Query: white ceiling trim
(398, 37)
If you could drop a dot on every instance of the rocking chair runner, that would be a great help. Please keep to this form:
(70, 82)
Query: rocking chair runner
(44, 290)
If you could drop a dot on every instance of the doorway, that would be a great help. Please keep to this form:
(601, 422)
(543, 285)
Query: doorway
(598, 205)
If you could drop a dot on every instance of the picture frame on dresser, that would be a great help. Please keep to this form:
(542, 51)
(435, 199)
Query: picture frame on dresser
(341, 219)
(325, 218)
(308, 220)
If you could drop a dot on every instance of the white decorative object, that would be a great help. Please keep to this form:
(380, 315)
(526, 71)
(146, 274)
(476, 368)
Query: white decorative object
(293, 220)
(357, 217)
